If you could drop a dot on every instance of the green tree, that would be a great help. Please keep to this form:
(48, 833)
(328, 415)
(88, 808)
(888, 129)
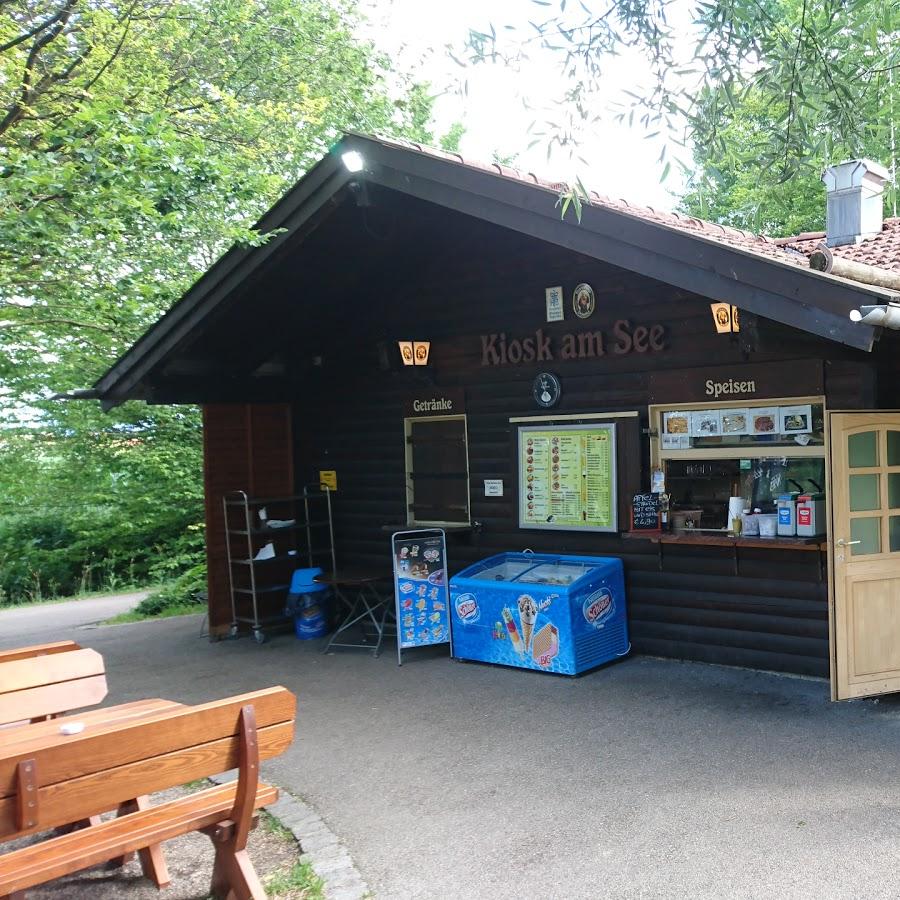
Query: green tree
(813, 66)
(138, 141)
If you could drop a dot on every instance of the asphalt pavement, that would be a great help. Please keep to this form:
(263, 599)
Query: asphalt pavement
(649, 778)
(42, 623)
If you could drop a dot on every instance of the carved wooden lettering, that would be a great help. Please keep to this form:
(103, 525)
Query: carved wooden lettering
(623, 338)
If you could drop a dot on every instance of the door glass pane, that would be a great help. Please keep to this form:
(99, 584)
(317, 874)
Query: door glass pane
(894, 490)
(894, 532)
(863, 449)
(864, 492)
(893, 448)
(868, 533)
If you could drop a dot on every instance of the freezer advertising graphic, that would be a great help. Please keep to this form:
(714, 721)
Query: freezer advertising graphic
(563, 614)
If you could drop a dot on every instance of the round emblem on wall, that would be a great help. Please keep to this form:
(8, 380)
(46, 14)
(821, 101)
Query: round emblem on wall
(547, 390)
(583, 301)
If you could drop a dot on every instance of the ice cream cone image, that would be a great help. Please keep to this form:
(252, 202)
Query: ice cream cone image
(527, 615)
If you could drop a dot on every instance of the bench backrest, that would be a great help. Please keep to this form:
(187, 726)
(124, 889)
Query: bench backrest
(82, 775)
(50, 684)
(38, 650)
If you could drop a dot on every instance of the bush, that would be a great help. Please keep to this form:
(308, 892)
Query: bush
(188, 589)
(44, 556)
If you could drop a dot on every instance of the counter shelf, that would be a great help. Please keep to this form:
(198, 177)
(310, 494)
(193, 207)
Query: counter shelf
(699, 537)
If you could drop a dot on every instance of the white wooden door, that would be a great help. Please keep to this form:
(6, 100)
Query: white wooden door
(865, 554)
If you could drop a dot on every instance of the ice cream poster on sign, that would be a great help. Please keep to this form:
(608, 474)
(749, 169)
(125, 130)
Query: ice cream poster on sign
(423, 615)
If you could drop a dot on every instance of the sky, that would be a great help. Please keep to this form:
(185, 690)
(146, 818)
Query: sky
(616, 160)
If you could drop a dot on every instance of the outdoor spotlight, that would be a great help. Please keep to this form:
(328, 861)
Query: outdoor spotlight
(884, 316)
(353, 160)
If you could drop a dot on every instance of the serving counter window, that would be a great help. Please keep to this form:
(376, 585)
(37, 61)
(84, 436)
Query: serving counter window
(716, 462)
(437, 471)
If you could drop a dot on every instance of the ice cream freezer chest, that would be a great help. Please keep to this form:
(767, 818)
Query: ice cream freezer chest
(563, 614)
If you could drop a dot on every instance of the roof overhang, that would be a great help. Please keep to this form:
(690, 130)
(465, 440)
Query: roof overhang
(811, 301)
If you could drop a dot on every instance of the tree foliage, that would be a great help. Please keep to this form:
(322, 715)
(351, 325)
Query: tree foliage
(727, 182)
(138, 140)
(809, 68)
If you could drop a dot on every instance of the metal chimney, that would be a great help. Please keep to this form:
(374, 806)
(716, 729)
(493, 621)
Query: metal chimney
(854, 192)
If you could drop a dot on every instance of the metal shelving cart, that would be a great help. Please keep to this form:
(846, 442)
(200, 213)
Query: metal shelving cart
(259, 585)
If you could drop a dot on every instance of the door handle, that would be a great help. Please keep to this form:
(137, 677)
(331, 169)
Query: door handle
(842, 543)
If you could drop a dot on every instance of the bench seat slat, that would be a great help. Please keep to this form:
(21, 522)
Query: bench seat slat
(21, 674)
(92, 751)
(30, 738)
(70, 801)
(30, 866)
(38, 650)
(51, 699)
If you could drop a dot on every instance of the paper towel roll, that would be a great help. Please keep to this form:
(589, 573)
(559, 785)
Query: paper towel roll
(735, 508)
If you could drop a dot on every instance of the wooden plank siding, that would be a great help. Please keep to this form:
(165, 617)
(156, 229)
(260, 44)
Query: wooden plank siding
(690, 603)
(246, 447)
(450, 279)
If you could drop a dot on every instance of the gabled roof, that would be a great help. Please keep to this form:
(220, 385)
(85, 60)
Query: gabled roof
(881, 250)
(758, 274)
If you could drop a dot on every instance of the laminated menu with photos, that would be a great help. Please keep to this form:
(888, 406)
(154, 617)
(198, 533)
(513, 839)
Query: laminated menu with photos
(706, 423)
(676, 431)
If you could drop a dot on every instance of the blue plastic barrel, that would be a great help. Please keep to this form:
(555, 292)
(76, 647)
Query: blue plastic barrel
(306, 603)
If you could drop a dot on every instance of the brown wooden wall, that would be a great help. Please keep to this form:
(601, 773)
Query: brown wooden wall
(689, 602)
(249, 448)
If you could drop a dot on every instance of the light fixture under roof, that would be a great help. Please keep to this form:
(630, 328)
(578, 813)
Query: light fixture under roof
(414, 353)
(353, 160)
(886, 315)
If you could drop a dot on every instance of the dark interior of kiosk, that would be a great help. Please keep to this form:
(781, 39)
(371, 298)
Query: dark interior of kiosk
(708, 485)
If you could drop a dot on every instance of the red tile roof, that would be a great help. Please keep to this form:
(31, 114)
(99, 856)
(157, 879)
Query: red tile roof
(882, 250)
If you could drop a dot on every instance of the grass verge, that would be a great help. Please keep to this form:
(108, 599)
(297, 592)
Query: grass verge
(182, 609)
(298, 882)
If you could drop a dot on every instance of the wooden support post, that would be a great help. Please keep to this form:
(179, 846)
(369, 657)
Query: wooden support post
(234, 877)
(153, 863)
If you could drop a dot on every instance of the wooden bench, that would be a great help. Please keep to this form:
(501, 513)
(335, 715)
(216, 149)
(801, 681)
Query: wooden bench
(38, 650)
(42, 685)
(53, 780)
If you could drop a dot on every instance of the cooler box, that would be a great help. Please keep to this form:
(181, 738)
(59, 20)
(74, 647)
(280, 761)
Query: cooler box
(551, 613)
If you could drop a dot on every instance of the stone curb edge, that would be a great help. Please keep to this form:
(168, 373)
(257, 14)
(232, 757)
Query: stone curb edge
(319, 845)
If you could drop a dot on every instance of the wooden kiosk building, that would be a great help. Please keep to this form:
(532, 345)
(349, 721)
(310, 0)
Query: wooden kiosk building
(295, 351)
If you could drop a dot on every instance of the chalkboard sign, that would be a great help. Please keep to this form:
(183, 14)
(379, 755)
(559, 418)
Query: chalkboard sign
(645, 512)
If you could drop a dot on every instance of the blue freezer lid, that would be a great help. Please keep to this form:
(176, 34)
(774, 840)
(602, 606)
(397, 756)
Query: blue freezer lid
(560, 570)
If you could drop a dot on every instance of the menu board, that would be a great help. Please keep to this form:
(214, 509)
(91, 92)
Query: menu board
(567, 477)
(420, 588)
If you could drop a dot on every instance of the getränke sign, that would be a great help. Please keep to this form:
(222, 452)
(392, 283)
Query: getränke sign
(623, 338)
(436, 402)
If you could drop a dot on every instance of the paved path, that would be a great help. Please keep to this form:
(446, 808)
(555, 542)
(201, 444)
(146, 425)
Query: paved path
(649, 778)
(43, 623)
